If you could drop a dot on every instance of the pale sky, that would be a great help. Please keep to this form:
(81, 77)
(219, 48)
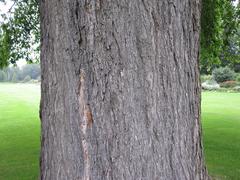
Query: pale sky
(236, 2)
(4, 7)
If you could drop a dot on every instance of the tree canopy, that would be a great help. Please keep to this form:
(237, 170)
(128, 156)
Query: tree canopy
(20, 33)
(220, 34)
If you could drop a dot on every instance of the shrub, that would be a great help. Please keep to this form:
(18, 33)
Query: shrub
(223, 74)
(236, 88)
(206, 78)
(210, 85)
(228, 84)
(238, 78)
(27, 78)
(33, 81)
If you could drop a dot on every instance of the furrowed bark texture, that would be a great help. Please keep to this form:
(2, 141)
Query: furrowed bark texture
(120, 90)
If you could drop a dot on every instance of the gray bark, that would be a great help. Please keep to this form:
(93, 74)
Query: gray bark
(120, 90)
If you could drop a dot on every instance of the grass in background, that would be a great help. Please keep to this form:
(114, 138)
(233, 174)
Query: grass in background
(20, 139)
(221, 129)
(19, 131)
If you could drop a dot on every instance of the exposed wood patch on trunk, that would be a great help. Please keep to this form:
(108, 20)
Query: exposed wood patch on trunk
(86, 114)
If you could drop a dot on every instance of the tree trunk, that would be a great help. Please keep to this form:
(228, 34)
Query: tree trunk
(120, 90)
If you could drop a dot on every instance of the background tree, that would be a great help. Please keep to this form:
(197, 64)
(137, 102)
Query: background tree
(3, 76)
(14, 77)
(231, 35)
(211, 34)
(5, 46)
(219, 34)
(20, 33)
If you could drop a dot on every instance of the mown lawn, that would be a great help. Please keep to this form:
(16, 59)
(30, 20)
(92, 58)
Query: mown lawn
(221, 128)
(20, 141)
(19, 131)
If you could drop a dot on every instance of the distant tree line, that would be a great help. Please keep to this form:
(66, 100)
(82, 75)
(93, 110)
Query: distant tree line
(29, 72)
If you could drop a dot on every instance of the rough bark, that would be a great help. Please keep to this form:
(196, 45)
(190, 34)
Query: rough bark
(120, 90)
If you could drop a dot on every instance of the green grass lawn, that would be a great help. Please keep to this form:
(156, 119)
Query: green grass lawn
(19, 131)
(221, 129)
(20, 141)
